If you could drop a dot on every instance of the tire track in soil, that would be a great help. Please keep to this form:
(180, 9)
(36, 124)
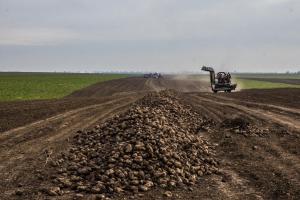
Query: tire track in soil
(271, 159)
(237, 188)
(258, 113)
(274, 108)
(18, 132)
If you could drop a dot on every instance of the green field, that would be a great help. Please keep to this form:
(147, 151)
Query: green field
(254, 84)
(268, 76)
(28, 86)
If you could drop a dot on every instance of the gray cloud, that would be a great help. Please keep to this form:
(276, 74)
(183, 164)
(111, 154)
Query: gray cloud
(166, 35)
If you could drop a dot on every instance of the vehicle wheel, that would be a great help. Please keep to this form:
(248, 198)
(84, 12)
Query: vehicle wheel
(215, 91)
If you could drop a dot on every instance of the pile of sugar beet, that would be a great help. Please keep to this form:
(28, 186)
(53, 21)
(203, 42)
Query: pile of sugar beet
(156, 143)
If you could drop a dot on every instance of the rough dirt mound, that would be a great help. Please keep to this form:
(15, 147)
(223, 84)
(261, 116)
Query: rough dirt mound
(243, 126)
(236, 122)
(153, 144)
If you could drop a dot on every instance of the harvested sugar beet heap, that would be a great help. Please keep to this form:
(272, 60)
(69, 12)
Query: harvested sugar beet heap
(154, 144)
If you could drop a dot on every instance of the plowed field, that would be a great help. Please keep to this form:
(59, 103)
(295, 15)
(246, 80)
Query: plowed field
(255, 134)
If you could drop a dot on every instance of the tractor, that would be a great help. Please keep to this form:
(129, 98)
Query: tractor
(221, 82)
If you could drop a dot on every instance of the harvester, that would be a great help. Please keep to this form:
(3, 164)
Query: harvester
(153, 75)
(221, 82)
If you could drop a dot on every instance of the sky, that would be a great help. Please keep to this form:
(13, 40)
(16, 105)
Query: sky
(149, 35)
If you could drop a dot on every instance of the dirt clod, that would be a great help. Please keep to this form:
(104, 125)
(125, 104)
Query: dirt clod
(52, 191)
(168, 194)
(19, 192)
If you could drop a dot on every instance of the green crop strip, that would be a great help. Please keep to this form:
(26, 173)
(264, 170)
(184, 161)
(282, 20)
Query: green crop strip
(255, 84)
(29, 86)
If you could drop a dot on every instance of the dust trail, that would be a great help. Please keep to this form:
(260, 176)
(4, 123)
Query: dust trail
(239, 86)
(153, 85)
(192, 83)
(195, 77)
(181, 83)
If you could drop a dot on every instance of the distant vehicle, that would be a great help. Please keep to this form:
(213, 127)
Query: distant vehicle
(221, 82)
(153, 75)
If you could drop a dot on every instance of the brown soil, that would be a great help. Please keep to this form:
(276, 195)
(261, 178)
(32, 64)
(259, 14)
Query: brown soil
(259, 153)
(16, 114)
(259, 166)
(288, 97)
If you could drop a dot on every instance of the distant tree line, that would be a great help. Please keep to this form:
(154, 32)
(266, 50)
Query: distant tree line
(288, 72)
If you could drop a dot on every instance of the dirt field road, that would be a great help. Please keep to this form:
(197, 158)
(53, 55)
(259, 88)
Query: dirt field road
(262, 165)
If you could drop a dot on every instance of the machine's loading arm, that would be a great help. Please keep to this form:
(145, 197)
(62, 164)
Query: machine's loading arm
(212, 74)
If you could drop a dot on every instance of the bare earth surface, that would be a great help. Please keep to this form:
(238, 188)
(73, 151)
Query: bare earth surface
(262, 162)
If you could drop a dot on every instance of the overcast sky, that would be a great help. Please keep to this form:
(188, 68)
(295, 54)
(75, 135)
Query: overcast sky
(149, 35)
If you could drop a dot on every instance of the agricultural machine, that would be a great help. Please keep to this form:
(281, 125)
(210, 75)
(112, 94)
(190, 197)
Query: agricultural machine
(221, 82)
(153, 75)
